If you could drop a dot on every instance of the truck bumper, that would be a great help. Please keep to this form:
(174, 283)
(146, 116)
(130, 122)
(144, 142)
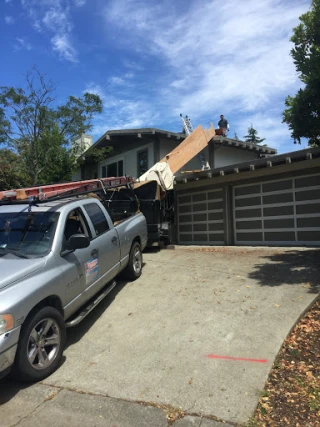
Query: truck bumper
(8, 349)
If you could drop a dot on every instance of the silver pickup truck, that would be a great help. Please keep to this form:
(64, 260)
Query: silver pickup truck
(58, 260)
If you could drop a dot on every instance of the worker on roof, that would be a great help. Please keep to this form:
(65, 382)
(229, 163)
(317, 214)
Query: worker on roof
(223, 125)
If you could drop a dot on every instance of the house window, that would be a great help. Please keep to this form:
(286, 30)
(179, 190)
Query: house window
(104, 172)
(114, 169)
(142, 162)
(120, 168)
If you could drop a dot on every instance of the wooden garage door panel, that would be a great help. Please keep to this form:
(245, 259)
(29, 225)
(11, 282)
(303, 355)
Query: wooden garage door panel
(283, 211)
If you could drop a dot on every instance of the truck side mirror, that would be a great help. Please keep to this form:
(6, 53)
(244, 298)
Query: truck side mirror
(77, 241)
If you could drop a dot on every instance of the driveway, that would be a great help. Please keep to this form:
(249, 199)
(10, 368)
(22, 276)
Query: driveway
(197, 333)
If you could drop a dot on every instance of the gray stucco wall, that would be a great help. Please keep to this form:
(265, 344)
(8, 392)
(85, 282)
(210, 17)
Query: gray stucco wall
(224, 156)
(130, 159)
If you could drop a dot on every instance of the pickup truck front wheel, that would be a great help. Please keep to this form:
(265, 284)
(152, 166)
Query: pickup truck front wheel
(134, 267)
(41, 345)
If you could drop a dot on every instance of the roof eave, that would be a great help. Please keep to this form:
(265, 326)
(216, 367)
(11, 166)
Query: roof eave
(139, 132)
(236, 143)
(278, 160)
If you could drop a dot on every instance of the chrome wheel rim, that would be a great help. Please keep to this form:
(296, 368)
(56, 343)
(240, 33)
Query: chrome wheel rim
(137, 261)
(43, 344)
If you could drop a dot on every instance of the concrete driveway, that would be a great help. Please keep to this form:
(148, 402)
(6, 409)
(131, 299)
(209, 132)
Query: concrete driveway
(196, 334)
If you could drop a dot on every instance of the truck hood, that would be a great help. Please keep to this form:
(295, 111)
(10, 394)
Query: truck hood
(13, 269)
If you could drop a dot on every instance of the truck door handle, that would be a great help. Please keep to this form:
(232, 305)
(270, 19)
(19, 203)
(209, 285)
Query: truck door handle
(95, 252)
(114, 239)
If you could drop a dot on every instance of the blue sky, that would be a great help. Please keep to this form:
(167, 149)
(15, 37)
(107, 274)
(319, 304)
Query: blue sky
(151, 60)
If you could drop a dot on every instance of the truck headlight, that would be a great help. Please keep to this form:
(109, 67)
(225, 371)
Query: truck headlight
(6, 322)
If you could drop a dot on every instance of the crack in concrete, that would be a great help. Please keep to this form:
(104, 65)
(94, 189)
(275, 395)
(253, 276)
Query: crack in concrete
(214, 418)
(35, 409)
(165, 407)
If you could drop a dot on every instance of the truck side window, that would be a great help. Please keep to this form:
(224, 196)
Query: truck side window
(75, 224)
(97, 217)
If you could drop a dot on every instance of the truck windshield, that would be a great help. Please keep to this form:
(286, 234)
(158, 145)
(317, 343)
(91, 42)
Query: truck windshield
(27, 234)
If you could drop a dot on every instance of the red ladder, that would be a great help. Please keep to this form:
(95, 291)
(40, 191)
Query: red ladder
(45, 191)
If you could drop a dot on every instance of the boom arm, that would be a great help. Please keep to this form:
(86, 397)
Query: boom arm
(189, 148)
(164, 170)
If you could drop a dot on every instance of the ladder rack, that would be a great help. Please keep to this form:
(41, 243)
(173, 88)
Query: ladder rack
(64, 190)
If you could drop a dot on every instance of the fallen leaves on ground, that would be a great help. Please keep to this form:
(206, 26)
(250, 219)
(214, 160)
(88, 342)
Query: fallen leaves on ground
(292, 393)
(174, 415)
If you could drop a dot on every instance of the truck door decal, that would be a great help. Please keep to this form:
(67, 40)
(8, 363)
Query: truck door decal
(92, 270)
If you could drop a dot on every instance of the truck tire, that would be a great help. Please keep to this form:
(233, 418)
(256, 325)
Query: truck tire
(41, 345)
(134, 267)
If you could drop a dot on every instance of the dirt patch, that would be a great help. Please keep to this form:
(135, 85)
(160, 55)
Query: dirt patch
(234, 250)
(292, 393)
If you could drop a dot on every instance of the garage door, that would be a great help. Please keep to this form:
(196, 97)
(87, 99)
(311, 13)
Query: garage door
(285, 212)
(200, 218)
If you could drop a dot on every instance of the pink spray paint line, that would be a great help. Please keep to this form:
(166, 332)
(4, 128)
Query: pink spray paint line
(243, 359)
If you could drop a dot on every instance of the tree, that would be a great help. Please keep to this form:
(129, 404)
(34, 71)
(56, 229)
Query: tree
(253, 136)
(303, 114)
(95, 155)
(39, 130)
(12, 174)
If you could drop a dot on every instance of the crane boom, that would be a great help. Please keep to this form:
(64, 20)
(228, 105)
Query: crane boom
(164, 170)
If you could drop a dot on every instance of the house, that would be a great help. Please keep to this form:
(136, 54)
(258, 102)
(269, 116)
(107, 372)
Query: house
(250, 196)
(273, 201)
(81, 144)
(136, 150)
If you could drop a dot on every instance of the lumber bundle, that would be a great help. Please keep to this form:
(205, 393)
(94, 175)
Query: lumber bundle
(188, 148)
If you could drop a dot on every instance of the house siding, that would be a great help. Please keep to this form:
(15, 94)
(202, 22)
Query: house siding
(195, 163)
(130, 160)
(224, 156)
(167, 145)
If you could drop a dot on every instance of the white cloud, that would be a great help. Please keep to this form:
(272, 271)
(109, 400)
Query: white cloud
(53, 17)
(119, 113)
(22, 44)
(232, 56)
(116, 81)
(9, 20)
(132, 65)
(268, 126)
(125, 80)
(96, 90)
(62, 45)
(79, 3)
(57, 20)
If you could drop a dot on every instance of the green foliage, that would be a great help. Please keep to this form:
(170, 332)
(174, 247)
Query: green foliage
(253, 137)
(94, 155)
(302, 113)
(40, 131)
(12, 174)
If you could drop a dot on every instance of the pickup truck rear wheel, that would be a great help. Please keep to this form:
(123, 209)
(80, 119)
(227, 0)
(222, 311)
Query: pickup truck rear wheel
(41, 345)
(134, 267)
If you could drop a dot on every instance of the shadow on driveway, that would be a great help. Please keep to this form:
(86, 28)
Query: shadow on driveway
(75, 333)
(10, 387)
(291, 267)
